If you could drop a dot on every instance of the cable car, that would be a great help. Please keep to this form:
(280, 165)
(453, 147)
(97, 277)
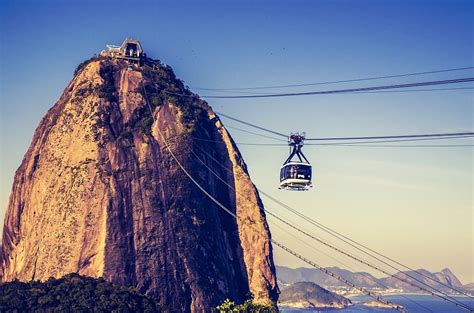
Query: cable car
(296, 175)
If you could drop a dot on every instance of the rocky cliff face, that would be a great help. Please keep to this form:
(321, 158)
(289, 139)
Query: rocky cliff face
(98, 193)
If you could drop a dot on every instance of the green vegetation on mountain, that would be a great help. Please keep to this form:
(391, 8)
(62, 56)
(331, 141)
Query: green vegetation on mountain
(73, 293)
(228, 306)
(165, 87)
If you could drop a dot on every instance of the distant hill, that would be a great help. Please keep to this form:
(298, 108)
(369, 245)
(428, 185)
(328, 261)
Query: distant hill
(291, 275)
(469, 287)
(445, 276)
(308, 295)
(73, 293)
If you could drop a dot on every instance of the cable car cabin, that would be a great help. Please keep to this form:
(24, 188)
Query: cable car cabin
(295, 176)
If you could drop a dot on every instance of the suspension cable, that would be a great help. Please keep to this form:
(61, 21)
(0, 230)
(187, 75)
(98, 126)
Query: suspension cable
(441, 294)
(418, 137)
(433, 135)
(299, 256)
(441, 135)
(334, 91)
(453, 300)
(339, 81)
(360, 144)
(281, 220)
(373, 92)
(253, 125)
(256, 134)
(366, 275)
(302, 258)
(355, 244)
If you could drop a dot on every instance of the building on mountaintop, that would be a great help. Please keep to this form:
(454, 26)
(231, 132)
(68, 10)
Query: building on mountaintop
(130, 50)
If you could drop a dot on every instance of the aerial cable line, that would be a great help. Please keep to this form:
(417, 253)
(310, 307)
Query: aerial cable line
(339, 81)
(366, 275)
(378, 298)
(235, 91)
(345, 238)
(402, 146)
(357, 144)
(345, 265)
(413, 90)
(272, 240)
(338, 235)
(335, 91)
(348, 145)
(363, 146)
(253, 125)
(439, 293)
(317, 250)
(394, 136)
(374, 92)
(373, 144)
(247, 197)
(322, 269)
(292, 252)
(256, 134)
(356, 244)
(350, 138)
(341, 251)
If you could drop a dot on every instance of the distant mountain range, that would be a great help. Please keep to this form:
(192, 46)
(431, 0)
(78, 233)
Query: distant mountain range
(288, 275)
(445, 277)
(469, 287)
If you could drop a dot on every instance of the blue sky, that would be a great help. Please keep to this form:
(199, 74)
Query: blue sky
(414, 204)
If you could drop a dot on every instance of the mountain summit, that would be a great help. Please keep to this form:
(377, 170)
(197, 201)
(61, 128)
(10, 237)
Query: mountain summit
(98, 193)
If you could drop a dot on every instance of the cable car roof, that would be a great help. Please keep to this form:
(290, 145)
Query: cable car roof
(296, 163)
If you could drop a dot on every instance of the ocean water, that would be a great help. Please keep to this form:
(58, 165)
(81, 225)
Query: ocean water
(429, 303)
